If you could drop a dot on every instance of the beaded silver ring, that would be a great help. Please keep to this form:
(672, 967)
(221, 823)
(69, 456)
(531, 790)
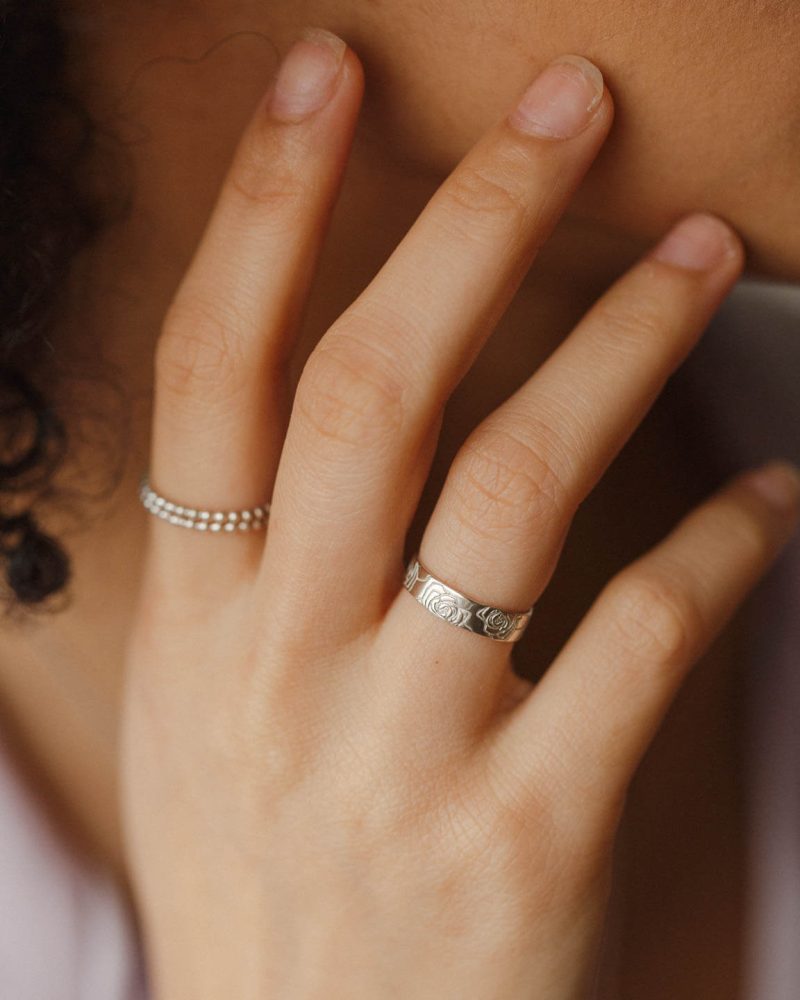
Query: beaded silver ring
(215, 521)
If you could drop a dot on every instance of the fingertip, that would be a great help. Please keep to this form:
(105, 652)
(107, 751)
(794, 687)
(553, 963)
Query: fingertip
(778, 484)
(700, 242)
(312, 74)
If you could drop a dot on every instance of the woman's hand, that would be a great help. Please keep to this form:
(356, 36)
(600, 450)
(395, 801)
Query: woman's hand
(329, 791)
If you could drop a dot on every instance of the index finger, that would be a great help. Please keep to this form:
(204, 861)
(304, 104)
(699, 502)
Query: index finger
(222, 358)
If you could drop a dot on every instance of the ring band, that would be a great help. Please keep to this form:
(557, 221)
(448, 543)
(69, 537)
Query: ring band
(452, 606)
(251, 519)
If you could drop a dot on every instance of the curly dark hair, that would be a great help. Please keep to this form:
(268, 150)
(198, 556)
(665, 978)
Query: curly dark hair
(46, 216)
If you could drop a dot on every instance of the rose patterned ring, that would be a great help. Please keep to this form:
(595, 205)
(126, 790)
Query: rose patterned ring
(454, 607)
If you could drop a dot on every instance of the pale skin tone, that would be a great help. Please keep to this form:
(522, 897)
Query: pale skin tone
(408, 716)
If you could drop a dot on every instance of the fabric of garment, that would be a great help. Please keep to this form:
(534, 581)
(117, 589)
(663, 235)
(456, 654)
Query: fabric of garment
(746, 370)
(65, 934)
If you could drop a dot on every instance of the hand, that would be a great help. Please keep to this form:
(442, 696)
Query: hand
(329, 791)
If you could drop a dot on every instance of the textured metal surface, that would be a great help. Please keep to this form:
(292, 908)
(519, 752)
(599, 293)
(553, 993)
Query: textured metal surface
(214, 521)
(456, 608)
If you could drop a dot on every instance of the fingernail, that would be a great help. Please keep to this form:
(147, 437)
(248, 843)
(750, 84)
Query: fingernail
(698, 243)
(562, 101)
(307, 76)
(778, 483)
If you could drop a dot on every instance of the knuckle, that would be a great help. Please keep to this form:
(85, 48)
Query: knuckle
(536, 815)
(479, 199)
(630, 321)
(515, 828)
(502, 485)
(265, 178)
(200, 351)
(655, 620)
(740, 529)
(483, 825)
(350, 394)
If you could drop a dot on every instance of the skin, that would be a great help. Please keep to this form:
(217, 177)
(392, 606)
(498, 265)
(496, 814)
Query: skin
(642, 179)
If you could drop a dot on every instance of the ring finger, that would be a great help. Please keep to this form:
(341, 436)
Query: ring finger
(515, 484)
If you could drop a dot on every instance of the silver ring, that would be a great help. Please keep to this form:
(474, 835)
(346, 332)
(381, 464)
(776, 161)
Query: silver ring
(251, 519)
(456, 608)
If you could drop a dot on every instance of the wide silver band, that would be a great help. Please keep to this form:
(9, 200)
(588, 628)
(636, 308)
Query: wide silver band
(251, 519)
(454, 607)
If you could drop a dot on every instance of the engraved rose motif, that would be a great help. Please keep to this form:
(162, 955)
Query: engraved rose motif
(411, 575)
(497, 623)
(436, 599)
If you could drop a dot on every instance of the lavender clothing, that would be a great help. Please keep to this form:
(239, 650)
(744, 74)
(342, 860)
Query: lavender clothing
(748, 366)
(64, 934)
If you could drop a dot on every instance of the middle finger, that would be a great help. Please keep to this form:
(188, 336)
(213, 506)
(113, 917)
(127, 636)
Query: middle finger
(358, 447)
